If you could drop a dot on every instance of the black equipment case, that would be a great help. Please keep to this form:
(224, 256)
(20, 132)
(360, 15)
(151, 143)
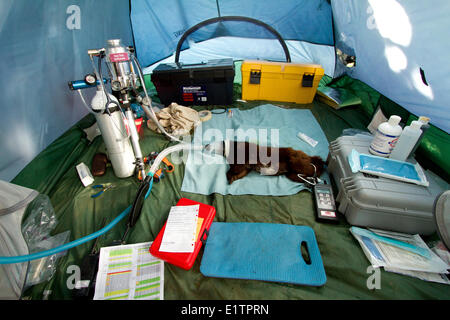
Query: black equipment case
(209, 83)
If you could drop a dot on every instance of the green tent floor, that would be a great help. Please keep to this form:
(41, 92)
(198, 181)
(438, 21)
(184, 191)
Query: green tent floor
(53, 173)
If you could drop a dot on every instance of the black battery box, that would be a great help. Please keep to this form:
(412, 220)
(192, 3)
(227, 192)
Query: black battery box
(206, 83)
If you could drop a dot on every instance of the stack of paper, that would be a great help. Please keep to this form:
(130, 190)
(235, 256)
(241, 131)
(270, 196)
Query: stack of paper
(402, 253)
(181, 229)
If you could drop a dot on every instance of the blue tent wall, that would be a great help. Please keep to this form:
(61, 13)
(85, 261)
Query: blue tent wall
(43, 46)
(158, 25)
(392, 41)
(240, 48)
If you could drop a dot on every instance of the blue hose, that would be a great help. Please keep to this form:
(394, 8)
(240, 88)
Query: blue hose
(67, 246)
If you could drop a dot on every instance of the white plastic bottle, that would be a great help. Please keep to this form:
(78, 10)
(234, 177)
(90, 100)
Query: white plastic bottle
(386, 137)
(407, 141)
(425, 126)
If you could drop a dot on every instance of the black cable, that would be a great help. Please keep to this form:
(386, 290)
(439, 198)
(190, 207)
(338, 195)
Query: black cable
(218, 8)
(232, 18)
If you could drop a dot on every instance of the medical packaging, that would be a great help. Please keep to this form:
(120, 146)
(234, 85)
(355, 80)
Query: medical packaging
(388, 168)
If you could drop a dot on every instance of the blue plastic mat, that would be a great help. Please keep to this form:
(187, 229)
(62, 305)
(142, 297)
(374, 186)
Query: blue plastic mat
(262, 251)
(206, 174)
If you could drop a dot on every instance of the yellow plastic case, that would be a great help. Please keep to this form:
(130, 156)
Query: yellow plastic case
(278, 81)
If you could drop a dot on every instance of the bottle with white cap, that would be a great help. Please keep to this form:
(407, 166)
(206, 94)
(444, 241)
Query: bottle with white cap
(425, 126)
(407, 141)
(386, 137)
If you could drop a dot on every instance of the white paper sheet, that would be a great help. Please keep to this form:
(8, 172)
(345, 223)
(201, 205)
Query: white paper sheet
(391, 257)
(377, 119)
(129, 272)
(180, 232)
(426, 276)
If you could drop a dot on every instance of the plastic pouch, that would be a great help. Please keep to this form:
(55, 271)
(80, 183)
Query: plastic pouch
(43, 269)
(387, 168)
(39, 222)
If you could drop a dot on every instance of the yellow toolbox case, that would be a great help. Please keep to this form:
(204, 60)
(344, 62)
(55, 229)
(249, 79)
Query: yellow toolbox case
(280, 81)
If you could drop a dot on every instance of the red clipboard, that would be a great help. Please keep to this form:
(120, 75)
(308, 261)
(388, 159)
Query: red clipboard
(185, 260)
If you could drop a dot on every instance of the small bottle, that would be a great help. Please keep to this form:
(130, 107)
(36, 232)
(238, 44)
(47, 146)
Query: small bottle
(425, 126)
(386, 137)
(407, 141)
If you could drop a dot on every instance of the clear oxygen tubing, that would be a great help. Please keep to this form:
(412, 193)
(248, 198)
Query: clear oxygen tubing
(151, 114)
(84, 102)
(97, 75)
(149, 110)
(165, 152)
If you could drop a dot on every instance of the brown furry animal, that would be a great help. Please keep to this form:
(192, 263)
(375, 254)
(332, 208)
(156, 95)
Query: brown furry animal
(244, 157)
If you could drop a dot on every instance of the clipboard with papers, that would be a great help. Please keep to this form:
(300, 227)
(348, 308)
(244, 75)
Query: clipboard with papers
(185, 260)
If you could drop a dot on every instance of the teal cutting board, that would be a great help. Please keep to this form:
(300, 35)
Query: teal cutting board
(263, 251)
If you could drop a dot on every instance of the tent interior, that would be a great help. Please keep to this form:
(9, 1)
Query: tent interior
(391, 55)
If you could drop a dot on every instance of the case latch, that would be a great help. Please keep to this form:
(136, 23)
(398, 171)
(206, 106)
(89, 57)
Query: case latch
(307, 80)
(255, 76)
(204, 237)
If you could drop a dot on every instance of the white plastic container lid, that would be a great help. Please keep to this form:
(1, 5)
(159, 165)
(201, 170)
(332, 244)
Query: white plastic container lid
(394, 120)
(424, 119)
(416, 124)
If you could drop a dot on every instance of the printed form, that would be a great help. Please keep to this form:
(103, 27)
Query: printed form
(180, 233)
(129, 272)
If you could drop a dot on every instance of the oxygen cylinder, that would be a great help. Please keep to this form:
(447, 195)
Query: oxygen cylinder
(114, 133)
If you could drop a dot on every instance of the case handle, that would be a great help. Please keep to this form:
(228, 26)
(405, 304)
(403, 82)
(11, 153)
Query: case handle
(232, 18)
(304, 251)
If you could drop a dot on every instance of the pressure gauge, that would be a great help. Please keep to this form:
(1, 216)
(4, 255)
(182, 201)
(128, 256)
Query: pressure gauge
(90, 79)
(115, 85)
